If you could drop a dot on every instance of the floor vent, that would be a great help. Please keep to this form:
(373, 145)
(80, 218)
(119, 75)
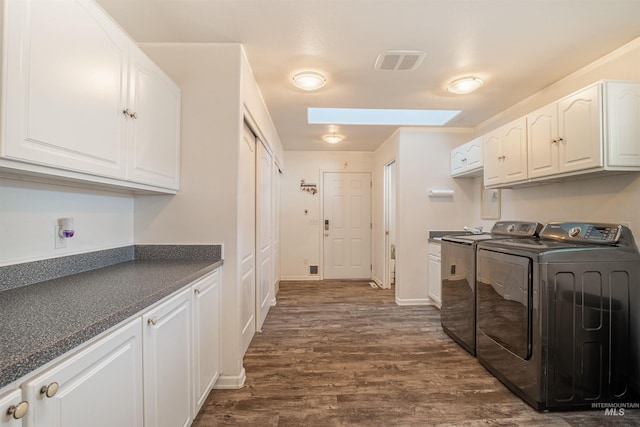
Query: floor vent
(399, 60)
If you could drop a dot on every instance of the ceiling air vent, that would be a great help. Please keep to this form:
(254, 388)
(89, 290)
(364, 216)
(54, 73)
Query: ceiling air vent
(399, 60)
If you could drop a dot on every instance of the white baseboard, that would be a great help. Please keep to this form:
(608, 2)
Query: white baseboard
(416, 301)
(231, 382)
(299, 278)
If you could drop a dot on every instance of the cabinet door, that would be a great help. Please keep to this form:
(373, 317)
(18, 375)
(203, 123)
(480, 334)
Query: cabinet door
(167, 363)
(623, 123)
(434, 280)
(100, 386)
(492, 155)
(206, 337)
(542, 139)
(153, 155)
(473, 153)
(514, 150)
(580, 130)
(458, 161)
(11, 404)
(66, 83)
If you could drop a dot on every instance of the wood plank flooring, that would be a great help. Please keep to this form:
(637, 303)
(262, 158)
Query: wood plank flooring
(341, 353)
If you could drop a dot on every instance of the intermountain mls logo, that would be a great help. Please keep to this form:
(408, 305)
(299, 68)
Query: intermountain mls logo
(615, 409)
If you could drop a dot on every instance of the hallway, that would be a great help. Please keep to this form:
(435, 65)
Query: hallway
(338, 353)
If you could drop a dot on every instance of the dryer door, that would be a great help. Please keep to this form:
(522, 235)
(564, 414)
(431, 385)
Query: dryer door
(504, 291)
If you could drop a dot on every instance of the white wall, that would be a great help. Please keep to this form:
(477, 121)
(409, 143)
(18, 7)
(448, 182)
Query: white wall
(301, 234)
(386, 153)
(29, 212)
(423, 163)
(205, 208)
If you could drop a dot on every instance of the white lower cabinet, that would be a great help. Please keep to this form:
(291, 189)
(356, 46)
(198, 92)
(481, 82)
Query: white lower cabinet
(12, 409)
(435, 284)
(155, 371)
(206, 337)
(167, 363)
(101, 386)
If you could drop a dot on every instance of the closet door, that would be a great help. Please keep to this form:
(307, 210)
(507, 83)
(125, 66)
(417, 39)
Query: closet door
(264, 229)
(247, 234)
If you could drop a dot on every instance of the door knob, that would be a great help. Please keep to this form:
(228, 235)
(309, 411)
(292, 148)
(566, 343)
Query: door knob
(18, 411)
(50, 390)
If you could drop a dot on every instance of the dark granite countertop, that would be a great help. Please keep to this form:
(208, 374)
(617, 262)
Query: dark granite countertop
(42, 321)
(435, 236)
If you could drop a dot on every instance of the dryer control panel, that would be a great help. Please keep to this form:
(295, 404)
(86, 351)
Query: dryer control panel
(598, 233)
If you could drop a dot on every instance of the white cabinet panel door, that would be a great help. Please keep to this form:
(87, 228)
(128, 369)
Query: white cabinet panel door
(473, 154)
(579, 127)
(67, 64)
(167, 363)
(154, 131)
(542, 127)
(100, 387)
(514, 150)
(492, 153)
(347, 216)
(623, 123)
(206, 337)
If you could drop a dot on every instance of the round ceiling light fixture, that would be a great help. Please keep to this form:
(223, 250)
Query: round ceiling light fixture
(332, 138)
(464, 85)
(309, 80)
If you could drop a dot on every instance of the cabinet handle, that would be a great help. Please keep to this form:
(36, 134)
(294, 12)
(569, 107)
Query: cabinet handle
(561, 139)
(18, 411)
(464, 160)
(152, 320)
(50, 390)
(553, 141)
(197, 291)
(128, 112)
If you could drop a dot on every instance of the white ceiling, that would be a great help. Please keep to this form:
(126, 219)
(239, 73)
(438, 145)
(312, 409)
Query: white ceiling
(517, 46)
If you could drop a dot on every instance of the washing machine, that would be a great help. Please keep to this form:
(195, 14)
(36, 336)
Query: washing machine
(557, 317)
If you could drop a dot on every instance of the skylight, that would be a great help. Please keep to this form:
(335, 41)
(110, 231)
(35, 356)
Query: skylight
(367, 116)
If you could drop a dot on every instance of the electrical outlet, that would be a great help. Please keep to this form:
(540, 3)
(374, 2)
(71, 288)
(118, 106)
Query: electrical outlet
(60, 243)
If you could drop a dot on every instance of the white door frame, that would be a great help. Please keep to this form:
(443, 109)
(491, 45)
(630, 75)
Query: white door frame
(321, 225)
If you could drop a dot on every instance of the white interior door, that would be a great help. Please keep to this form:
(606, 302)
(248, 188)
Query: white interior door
(247, 234)
(347, 225)
(390, 224)
(264, 229)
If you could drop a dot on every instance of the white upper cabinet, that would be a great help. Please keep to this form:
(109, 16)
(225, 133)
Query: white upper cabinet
(505, 154)
(591, 130)
(83, 102)
(66, 86)
(154, 124)
(466, 160)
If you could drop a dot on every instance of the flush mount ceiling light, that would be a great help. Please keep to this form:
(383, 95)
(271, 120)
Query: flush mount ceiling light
(332, 138)
(464, 85)
(309, 80)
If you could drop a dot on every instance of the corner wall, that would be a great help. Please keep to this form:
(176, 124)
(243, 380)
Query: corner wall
(423, 163)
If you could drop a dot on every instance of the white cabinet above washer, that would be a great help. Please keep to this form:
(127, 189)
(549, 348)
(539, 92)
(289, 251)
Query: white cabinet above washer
(466, 160)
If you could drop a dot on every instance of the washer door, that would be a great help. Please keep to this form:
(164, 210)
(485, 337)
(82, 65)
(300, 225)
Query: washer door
(504, 296)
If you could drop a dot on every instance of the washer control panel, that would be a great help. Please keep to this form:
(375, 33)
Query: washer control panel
(516, 228)
(598, 233)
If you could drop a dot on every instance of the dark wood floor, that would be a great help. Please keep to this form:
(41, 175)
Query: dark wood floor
(344, 354)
